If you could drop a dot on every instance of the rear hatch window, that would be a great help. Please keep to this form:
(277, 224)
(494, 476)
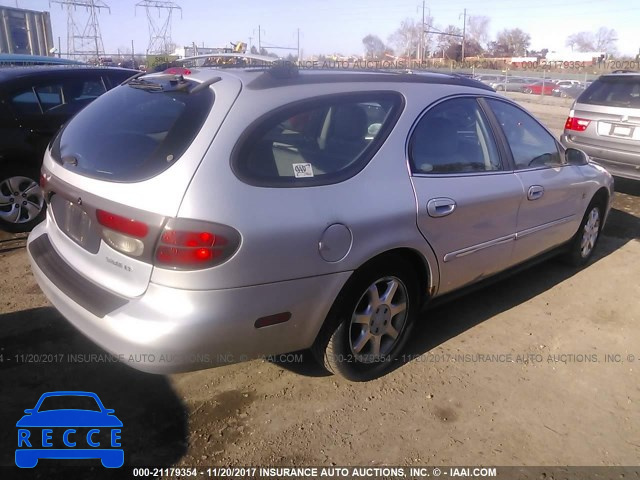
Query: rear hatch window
(135, 131)
(613, 91)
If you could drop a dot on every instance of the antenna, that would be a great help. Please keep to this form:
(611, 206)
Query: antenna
(84, 38)
(160, 24)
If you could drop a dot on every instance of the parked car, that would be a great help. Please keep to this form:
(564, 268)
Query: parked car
(510, 84)
(20, 60)
(604, 121)
(235, 213)
(571, 91)
(34, 103)
(539, 88)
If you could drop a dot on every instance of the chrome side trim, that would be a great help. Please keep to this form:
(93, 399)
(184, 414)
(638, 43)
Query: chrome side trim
(476, 248)
(544, 226)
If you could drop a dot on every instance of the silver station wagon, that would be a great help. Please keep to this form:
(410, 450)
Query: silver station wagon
(227, 214)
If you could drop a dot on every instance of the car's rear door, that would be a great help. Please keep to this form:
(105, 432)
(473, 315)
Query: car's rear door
(552, 190)
(467, 195)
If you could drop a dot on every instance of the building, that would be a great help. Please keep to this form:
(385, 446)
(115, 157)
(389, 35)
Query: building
(25, 31)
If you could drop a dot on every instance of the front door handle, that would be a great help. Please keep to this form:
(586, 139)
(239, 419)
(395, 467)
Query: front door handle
(440, 207)
(535, 192)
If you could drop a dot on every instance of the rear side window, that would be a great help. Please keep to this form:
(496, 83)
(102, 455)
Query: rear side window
(453, 137)
(316, 142)
(623, 91)
(133, 132)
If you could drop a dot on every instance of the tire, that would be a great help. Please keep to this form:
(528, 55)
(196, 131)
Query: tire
(20, 187)
(528, 91)
(356, 341)
(586, 238)
(500, 88)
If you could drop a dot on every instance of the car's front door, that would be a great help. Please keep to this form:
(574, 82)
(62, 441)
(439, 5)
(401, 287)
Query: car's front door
(552, 190)
(467, 197)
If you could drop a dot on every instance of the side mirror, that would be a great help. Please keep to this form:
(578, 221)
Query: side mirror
(576, 157)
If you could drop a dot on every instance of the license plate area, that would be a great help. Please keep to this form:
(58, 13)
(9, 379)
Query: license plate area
(76, 223)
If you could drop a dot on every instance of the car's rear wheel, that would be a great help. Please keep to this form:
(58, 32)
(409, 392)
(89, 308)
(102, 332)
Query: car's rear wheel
(500, 88)
(584, 242)
(370, 321)
(22, 204)
(527, 90)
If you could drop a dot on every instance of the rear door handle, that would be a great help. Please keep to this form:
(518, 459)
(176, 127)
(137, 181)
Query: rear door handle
(440, 207)
(535, 192)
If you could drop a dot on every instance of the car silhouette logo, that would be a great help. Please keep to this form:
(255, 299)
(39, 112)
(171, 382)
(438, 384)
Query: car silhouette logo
(54, 430)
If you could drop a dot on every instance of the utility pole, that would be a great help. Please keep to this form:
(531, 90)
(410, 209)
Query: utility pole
(298, 45)
(259, 39)
(421, 56)
(250, 44)
(464, 32)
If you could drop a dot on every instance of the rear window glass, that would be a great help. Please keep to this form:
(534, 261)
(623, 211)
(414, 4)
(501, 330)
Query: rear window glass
(317, 142)
(613, 91)
(133, 133)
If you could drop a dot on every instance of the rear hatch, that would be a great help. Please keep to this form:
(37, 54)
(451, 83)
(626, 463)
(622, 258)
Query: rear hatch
(116, 174)
(608, 112)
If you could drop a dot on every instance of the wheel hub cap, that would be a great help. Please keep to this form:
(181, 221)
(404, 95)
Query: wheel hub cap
(378, 320)
(21, 199)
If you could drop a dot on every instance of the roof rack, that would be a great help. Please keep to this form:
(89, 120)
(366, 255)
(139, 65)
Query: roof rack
(625, 71)
(249, 56)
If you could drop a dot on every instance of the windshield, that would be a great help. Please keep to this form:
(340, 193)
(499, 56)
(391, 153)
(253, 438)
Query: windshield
(133, 132)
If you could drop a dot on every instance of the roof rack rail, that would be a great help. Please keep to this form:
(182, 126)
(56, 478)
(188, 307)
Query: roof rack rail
(249, 56)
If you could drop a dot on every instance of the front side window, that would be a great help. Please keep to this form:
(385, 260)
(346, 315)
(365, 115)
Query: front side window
(317, 142)
(531, 145)
(453, 137)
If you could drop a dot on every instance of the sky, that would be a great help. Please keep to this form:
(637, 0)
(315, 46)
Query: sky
(338, 26)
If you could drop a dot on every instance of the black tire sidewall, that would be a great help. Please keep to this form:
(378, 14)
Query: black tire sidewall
(574, 255)
(335, 348)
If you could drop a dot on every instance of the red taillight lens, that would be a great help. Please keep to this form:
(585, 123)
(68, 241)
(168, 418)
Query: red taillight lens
(190, 244)
(125, 225)
(175, 256)
(577, 124)
(43, 180)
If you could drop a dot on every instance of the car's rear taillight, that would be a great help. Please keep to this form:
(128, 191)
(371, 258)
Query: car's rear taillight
(122, 234)
(577, 124)
(189, 244)
(128, 226)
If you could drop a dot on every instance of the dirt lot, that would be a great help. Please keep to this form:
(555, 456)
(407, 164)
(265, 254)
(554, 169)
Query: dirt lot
(555, 401)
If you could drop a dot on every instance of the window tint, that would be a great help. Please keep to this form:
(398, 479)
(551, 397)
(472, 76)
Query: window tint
(50, 96)
(531, 145)
(613, 91)
(454, 137)
(25, 102)
(318, 142)
(134, 132)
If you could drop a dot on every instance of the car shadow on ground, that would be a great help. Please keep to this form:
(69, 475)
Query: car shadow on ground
(451, 318)
(42, 352)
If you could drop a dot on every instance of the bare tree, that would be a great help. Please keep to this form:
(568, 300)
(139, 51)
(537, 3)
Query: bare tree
(605, 40)
(478, 29)
(373, 46)
(406, 39)
(448, 44)
(581, 42)
(513, 41)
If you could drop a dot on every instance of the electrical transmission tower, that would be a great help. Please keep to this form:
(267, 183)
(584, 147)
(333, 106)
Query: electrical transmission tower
(84, 38)
(159, 17)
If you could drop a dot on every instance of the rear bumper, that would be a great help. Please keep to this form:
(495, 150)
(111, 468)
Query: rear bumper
(618, 161)
(169, 330)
